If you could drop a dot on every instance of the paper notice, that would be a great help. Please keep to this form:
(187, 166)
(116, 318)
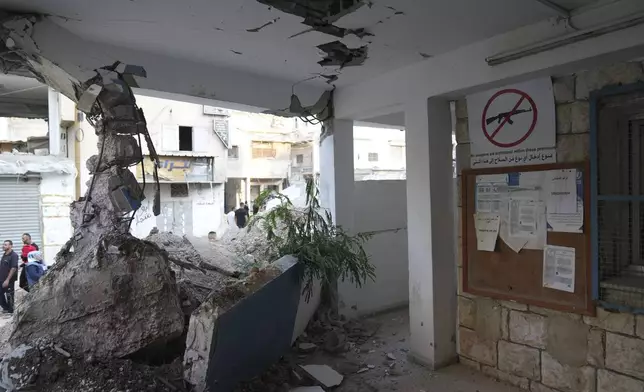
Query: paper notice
(488, 198)
(515, 243)
(492, 178)
(565, 207)
(561, 191)
(487, 230)
(559, 268)
(490, 189)
(523, 218)
(524, 224)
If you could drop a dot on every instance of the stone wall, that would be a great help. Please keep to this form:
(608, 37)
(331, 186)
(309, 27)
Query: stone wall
(540, 349)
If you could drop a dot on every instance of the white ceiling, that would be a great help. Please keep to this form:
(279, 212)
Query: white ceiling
(215, 31)
(22, 97)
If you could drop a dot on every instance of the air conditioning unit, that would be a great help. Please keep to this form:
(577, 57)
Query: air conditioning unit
(215, 111)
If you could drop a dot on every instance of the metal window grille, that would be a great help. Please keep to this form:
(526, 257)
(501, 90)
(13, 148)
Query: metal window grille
(179, 190)
(620, 199)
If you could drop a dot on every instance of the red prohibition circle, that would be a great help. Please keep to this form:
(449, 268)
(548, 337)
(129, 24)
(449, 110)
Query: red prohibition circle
(522, 96)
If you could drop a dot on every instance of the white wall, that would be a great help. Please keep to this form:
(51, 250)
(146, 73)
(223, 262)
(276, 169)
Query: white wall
(19, 129)
(56, 194)
(165, 114)
(380, 206)
(248, 127)
(203, 209)
(388, 143)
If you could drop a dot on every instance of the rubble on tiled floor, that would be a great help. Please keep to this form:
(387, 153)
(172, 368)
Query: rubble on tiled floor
(374, 357)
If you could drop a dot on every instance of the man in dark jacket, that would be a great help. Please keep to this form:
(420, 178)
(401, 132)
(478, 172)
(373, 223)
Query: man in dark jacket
(241, 215)
(8, 269)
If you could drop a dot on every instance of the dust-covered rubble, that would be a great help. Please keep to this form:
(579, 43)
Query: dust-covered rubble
(44, 366)
(122, 291)
(326, 336)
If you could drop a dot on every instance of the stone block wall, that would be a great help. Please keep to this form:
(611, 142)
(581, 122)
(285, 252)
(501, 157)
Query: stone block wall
(539, 349)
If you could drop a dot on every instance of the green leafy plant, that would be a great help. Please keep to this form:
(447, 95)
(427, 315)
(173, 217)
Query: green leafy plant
(326, 250)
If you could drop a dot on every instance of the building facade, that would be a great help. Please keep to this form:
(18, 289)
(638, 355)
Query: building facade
(190, 142)
(378, 153)
(37, 176)
(266, 152)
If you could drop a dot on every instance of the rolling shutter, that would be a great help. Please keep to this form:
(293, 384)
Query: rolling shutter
(20, 210)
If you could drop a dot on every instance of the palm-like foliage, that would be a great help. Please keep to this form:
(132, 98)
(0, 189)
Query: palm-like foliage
(327, 252)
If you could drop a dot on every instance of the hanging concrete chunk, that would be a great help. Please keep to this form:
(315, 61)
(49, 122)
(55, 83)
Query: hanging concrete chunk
(324, 375)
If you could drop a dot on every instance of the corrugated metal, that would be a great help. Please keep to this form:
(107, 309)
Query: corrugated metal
(20, 209)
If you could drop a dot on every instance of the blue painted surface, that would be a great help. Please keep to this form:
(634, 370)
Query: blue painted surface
(620, 308)
(595, 96)
(255, 333)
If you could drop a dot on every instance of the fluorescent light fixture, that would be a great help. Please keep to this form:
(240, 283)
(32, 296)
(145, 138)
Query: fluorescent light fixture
(577, 36)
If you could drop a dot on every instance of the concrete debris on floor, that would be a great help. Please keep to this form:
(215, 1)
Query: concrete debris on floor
(374, 357)
(48, 367)
(124, 292)
(323, 375)
(160, 336)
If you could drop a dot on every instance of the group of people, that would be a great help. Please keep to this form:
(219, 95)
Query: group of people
(29, 267)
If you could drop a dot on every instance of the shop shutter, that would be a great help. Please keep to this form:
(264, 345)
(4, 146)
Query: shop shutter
(20, 210)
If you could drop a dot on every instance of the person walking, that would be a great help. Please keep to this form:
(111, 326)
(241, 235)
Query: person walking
(28, 246)
(35, 267)
(241, 215)
(8, 269)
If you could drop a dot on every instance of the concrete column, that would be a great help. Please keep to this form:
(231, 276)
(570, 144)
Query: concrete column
(53, 101)
(430, 219)
(247, 191)
(336, 171)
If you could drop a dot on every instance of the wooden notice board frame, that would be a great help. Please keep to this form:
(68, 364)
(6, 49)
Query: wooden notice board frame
(507, 275)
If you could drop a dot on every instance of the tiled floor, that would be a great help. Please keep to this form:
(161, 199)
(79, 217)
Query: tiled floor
(378, 374)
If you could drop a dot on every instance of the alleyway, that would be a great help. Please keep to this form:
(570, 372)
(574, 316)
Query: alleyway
(382, 364)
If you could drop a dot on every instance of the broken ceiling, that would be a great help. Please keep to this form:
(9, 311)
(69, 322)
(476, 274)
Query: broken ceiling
(320, 16)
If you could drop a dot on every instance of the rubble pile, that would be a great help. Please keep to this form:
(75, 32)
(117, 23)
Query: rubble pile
(49, 367)
(195, 276)
(123, 291)
(250, 244)
(327, 335)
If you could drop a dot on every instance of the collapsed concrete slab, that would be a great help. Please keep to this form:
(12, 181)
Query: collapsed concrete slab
(114, 300)
(197, 275)
(223, 345)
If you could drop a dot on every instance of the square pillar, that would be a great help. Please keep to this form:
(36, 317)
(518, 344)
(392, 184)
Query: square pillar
(430, 225)
(336, 171)
(53, 102)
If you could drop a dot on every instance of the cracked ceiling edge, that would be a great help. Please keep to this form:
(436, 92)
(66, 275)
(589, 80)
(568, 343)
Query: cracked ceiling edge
(19, 53)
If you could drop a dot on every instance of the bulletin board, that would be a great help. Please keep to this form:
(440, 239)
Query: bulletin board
(508, 274)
